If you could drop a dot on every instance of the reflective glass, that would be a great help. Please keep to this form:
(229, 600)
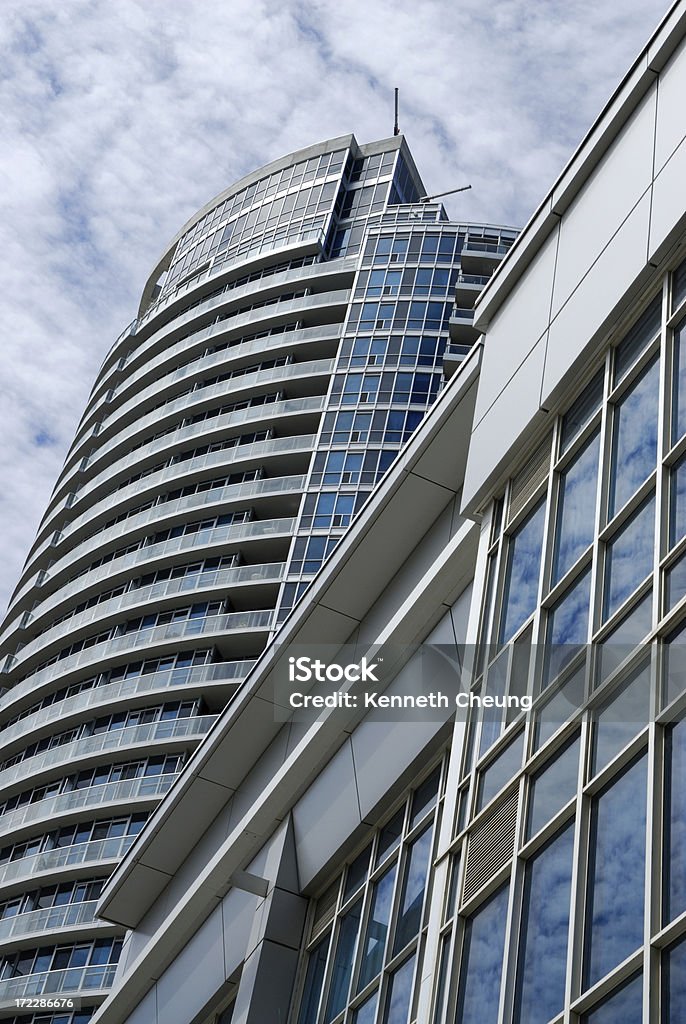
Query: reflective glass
(425, 797)
(679, 386)
(416, 874)
(482, 962)
(564, 703)
(576, 508)
(621, 716)
(675, 582)
(357, 873)
(623, 1006)
(677, 502)
(542, 964)
(500, 771)
(389, 839)
(624, 637)
(674, 983)
(634, 447)
(614, 919)
(399, 994)
(521, 580)
(377, 929)
(638, 338)
(674, 863)
(442, 985)
(567, 626)
(629, 557)
(553, 786)
(365, 1013)
(343, 962)
(674, 681)
(586, 405)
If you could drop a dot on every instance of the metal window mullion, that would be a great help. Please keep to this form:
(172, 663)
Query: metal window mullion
(604, 468)
(577, 916)
(653, 867)
(514, 919)
(661, 539)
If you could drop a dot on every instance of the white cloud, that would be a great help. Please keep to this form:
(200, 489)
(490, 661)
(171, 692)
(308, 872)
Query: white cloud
(121, 119)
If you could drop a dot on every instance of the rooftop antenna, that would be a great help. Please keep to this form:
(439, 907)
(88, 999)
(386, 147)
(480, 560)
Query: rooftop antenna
(450, 192)
(396, 130)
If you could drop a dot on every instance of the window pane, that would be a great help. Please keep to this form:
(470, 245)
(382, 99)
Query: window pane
(675, 582)
(377, 929)
(581, 412)
(674, 983)
(567, 627)
(553, 786)
(638, 338)
(679, 387)
(313, 983)
(425, 797)
(482, 962)
(357, 873)
(416, 872)
(616, 873)
(343, 963)
(576, 508)
(621, 716)
(629, 557)
(678, 286)
(674, 863)
(623, 1007)
(500, 771)
(521, 581)
(624, 637)
(634, 447)
(545, 923)
(564, 703)
(389, 840)
(365, 1014)
(677, 502)
(399, 994)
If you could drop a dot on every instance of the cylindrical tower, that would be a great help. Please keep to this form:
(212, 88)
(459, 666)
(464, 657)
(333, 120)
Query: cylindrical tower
(287, 344)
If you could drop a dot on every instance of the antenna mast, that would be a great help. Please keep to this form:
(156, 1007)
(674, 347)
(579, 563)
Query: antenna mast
(396, 130)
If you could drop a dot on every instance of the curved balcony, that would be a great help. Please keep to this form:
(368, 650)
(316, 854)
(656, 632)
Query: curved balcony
(253, 318)
(253, 451)
(157, 593)
(84, 748)
(222, 421)
(224, 672)
(146, 788)
(74, 980)
(200, 629)
(96, 853)
(229, 296)
(228, 495)
(72, 916)
(145, 557)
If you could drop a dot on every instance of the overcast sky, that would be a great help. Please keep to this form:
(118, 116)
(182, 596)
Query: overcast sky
(119, 119)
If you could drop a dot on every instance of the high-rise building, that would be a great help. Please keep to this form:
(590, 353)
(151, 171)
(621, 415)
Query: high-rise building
(513, 854)
(289, 342)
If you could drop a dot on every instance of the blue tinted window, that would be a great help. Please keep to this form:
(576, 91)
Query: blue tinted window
(343, 962)
(675, 802)
(400, 994)
(614, 923)
(625, 1006)
(501, 770)
(377, 929)
(552, 787)
(634, 449)
(416, 874)
(638, 338)
(679, 387)
(629, 557)
(675, 665)
(567, 626)
(674, 983)
(675, 582)
(523, 566)
(677, 502)
(545, 922)
(576, 508)
(585, 407)
(622, 716)
(365, 1014)
(482, 962)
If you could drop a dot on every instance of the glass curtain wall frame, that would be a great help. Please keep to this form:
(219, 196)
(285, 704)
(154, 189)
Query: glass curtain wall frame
(610, 712)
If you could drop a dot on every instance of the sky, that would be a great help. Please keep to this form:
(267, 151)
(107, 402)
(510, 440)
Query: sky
(119, 120)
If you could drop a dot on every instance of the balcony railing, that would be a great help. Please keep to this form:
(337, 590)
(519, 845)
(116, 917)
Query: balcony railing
(72, 979)
(222, 672)
(132, 736)
(37, 922)
(65, 857)
(148, 786)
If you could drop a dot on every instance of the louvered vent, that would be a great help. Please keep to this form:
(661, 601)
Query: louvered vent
(528, 479)
(491, 845)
